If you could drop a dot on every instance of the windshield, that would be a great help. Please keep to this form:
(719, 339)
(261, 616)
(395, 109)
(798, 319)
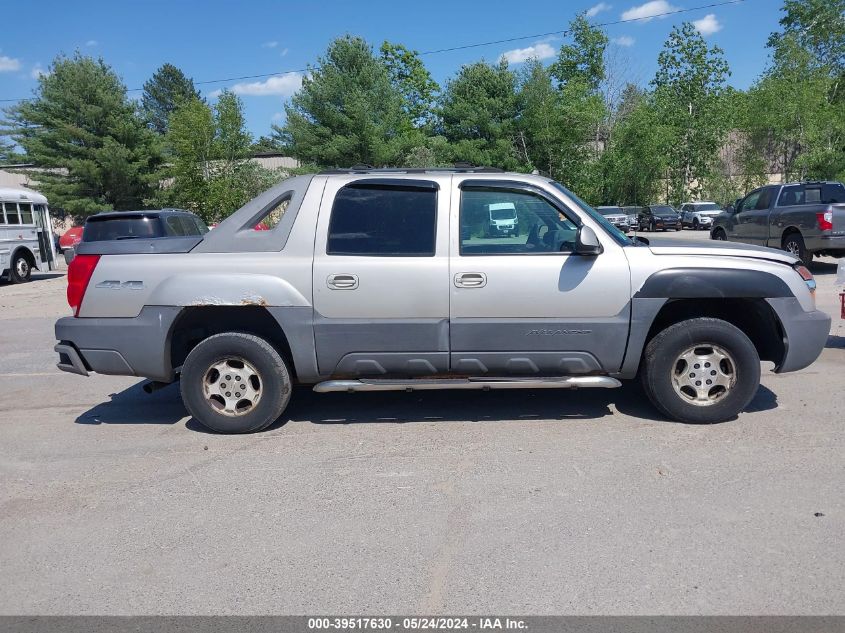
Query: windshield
(663, 210)
(615, 233)
(610, 210)
(502, 214)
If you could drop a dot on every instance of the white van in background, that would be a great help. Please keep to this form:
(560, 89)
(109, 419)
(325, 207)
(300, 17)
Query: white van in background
(26, 234)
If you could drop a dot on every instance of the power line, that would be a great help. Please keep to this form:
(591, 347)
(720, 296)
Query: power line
(452, 48)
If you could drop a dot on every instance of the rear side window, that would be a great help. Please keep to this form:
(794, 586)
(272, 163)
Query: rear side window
(826, 193)
(175, 226)
(117, 228)
(383, 220)
(833, 193)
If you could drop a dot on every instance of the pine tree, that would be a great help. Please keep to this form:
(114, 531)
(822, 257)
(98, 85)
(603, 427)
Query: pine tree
(164, 92)
(82, 127)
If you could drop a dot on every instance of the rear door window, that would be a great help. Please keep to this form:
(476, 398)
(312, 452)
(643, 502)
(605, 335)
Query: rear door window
(383, 220)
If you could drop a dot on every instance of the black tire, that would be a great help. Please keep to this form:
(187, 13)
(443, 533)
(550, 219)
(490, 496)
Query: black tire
(661, 366)
(274, 382)
(719, 234)
(695, 224)
(20, 269)
(652, 226)
(794, 243)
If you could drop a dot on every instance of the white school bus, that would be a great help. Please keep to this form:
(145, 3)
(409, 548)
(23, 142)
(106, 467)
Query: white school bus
(26, 235)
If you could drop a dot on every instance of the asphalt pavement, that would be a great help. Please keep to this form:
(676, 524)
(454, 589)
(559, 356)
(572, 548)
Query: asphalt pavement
(113, 501)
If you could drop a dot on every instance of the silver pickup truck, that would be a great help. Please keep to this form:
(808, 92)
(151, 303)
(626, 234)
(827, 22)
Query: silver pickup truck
(805, 219)
(384, 280)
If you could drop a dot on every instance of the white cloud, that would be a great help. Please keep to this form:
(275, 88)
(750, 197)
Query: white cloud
(91, 43)
(542, 50)
(624, 40)
(37, 71)
(707, 25)
(277, 116)
(649, 10)
(598, 8)
(9, 64)
(284, 52)
(284, 85)
(273, 44)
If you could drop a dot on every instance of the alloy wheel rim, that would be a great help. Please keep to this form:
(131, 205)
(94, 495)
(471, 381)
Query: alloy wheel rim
(704, 374)
(22, 267)
(792, 247)
(232, 386)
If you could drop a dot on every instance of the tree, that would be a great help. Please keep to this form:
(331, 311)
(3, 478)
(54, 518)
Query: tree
(583, 59)
(634, 163)
(81, 121)
(689, 84)
(479, 110)
(348, 111)
(164, 92)
(411, 79)
(794, 119)
(7, 152)
(818, 27)
(212, 171)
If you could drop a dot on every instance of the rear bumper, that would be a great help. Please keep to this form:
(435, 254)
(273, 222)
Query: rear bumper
(805, 333)
(825, 243)
(136, 346)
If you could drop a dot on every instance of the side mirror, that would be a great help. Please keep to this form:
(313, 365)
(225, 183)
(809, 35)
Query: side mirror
(730, 209)
(587, 242)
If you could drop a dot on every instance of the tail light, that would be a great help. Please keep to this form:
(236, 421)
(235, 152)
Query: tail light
(825, 220)
(78, 275)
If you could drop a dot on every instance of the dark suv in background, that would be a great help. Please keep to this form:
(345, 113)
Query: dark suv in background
(659, 217)
(129, 225)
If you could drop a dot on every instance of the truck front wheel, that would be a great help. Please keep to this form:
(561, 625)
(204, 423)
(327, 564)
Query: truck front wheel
(235, 383)
(700, 371)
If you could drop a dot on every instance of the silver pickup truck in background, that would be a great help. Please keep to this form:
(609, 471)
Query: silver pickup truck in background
(805, 219)
(384, 280)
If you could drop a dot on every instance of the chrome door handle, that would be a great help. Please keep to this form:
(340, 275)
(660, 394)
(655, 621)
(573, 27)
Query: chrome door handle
(470, 280)
(342, 281)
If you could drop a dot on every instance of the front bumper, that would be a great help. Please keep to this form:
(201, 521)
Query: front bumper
(804, 333)
(134, 346)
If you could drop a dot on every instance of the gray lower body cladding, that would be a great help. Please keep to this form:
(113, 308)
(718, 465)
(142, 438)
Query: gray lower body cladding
(136, 346)
(804, 333)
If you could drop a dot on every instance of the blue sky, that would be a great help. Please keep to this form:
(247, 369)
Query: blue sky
(216, 39)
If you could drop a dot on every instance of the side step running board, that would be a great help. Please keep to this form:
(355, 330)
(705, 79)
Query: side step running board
(566, 382)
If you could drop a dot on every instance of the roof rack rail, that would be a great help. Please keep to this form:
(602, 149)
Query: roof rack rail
(467, 168)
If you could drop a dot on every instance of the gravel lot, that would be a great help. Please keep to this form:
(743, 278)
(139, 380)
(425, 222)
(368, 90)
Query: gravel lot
(539, 502)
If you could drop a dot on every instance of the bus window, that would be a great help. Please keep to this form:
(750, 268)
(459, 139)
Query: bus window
(2, 214)
(25, 212)
(12, 216)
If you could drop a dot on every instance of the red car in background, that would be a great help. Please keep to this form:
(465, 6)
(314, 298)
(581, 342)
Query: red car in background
(71, 238)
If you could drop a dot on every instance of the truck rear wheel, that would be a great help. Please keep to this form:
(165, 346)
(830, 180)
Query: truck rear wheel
(793, 243)
(700, 371)
(235, 383)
